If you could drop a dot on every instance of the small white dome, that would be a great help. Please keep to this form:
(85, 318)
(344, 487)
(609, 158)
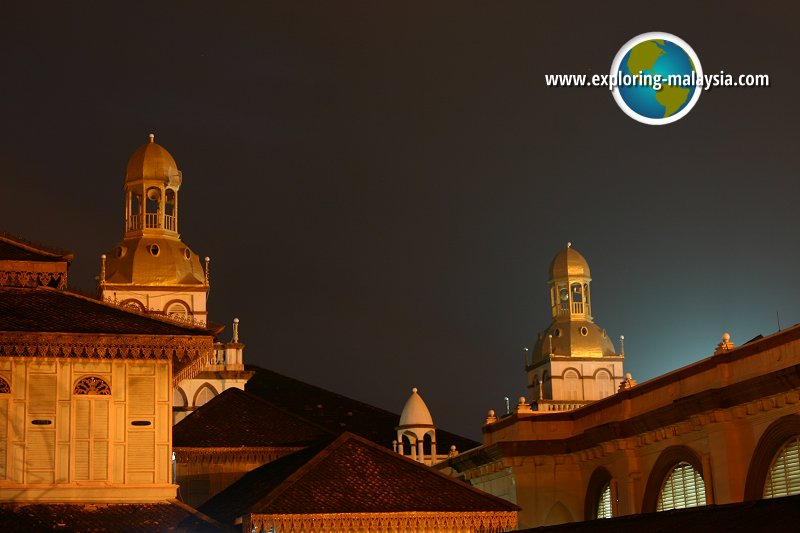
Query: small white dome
(415, 412)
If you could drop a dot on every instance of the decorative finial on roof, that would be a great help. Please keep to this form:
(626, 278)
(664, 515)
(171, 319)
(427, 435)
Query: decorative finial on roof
(725, 345)
(414, 390)
(492, 418)
(569, 245)
(152, 137)
(622, 344)
(102, 269)
(208, 260)
(235, 330)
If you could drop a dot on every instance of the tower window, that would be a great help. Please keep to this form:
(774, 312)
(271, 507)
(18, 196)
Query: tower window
(604, 384)
(187, 253)
(571, 385)
(557, 332)
(584, 331)
(154, 249)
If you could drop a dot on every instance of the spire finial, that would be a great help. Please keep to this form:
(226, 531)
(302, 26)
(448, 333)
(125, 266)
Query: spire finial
(152, 137)
(414, 390)
(569, 244)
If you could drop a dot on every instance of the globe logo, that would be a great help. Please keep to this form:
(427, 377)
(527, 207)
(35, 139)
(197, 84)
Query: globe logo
(655, 78)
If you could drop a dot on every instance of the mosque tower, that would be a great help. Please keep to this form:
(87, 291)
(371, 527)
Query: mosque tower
(416, 423)
(574, 361)
(152, 271)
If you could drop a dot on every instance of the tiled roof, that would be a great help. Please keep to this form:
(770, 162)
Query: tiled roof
(348, 475)
(239, 419)
(775, 514)
(338, 413)
(47, 310)
(17, 249)
(102, 518)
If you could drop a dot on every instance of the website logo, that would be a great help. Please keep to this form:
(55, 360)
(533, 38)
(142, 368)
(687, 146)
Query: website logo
(656, 78)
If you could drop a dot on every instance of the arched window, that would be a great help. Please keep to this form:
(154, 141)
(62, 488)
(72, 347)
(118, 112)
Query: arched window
(571, 385)
(177, 310)
(684, 487)
(783, 478)
(772, 455)
(133, 304)
(204, 395)
(576, 290)
(600, 495)
(178, 398)
(675, 481)
(604, 386)
(5, 388)
(91, 430)
(92, 385)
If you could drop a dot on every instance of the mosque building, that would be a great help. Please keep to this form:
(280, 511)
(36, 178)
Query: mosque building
(152, 271)
(126, 412)
(574, 361)
(592, 444)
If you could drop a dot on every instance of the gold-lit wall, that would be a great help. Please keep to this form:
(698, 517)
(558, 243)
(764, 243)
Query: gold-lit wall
(60, 443)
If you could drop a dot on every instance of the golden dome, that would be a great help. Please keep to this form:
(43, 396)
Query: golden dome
(579, 338)
(569, 264)
(149, 261)
(152, 162)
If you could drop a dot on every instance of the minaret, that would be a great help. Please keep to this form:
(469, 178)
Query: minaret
(574, 361)
(152, 270)
(415, 424)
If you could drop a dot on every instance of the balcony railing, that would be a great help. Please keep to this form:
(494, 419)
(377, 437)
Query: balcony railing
(152, 221)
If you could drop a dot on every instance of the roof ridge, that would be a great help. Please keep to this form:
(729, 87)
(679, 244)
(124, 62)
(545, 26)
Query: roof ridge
(348, 398)
(340, 441)
(434, 471)
(194, 512)
(36, 247)
(213, 403)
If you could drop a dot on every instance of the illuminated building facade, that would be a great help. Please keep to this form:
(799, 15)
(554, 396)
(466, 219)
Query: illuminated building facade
(720, 431)
(151, 270)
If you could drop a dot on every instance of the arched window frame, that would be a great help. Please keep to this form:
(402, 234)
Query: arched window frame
(204, 386)
(571, 377)
(601, 478)
(182, 394)
(92, 385)
(771, 443)
(597, 381)
(663, 467)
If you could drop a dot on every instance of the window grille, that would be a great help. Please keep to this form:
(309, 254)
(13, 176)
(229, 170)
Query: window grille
(604, 504)
(683, 488)
(783, 478)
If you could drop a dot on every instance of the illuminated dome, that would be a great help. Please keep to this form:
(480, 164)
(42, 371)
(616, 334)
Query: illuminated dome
(154, 261)
(415, 413)
(569, 263)
(152, 162)
(579, 338)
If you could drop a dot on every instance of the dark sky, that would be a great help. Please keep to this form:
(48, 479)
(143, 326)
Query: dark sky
(382, 185)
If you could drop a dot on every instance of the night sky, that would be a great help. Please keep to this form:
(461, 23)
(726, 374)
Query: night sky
(381, 186)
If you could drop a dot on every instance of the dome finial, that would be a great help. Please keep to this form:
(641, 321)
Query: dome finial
(152, 137)
(569, 244)
(414, 390)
